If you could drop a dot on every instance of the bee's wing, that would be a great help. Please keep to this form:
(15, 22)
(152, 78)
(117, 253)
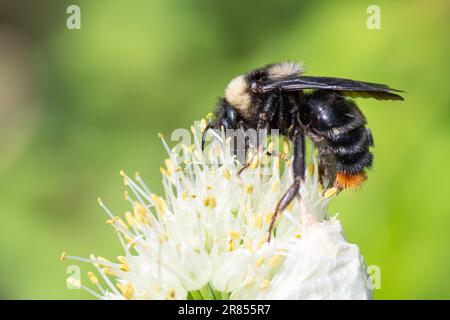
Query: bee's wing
(352, 88)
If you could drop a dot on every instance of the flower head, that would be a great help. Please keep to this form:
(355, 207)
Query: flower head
(207, 237)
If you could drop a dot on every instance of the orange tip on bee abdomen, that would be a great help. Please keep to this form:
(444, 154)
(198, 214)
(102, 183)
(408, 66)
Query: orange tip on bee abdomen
(344, 180)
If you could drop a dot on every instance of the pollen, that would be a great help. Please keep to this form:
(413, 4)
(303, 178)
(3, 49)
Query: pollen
(344, 180)
(286, 146)
(311, 169)
(210, 201)
(330, 192)
(265, 284)
(203, 125)
(124, 267)
(234, 234)
(63, 256)
(130, 219)
(257, 221)
(255, 161)
(92, 277)
(169, 165)
(259, 262)
(159, 203)
(170, 294)
(227, 174)
(275, 261)
(127, 290)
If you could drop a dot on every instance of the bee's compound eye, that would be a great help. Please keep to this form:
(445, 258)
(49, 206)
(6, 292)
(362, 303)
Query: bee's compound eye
(255, 87)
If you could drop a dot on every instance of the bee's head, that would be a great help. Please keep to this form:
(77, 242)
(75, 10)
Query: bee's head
(242, 90)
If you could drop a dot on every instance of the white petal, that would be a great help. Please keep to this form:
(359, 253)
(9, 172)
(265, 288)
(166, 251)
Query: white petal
(321, 265)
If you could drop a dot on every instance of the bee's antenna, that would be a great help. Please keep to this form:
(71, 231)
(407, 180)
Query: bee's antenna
(208, 126)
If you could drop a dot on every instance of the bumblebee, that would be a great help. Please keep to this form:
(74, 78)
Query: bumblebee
(277, 96)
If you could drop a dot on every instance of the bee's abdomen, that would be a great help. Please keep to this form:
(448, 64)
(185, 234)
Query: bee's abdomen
(341, 128)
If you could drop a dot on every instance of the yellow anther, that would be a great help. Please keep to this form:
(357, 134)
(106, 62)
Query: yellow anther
(63, 256)
(263, 241)
(330, 192)
(170, 165)
(209, 115)
(122, 173)
(311, 169)
(99, 200)
(122, 259)
(248, 281)
(164, 171)
(227, 174)
(268, 217)
(140, 213)
(109, 271)
(265, 284)
(125, 194)
(160, 135)
(250, 156)
(192, 129)
(275, 185)
(255, 162)
(159, 203)
(275, 261)
(249, 188)
(130, 219)
(163, 237)
(234, 234)
(127, 290)
(185, 195)
(124, 267)
(259, 262)
(170, 294)
(210, 201)
(270, 147)
(286, 146)
(257, 221)
(130, 241)
(203, 124)
(92, 277)
(290, 205)
(231, 245)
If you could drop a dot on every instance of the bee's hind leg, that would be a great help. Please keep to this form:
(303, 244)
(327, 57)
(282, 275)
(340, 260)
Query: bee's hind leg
(298, 168)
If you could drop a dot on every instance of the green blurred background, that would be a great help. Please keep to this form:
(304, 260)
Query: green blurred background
(77, 106)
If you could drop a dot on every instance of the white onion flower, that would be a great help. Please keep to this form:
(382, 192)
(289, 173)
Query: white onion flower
(207, 237)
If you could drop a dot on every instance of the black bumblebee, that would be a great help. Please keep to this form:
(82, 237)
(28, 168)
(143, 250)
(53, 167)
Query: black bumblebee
(277, 97)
